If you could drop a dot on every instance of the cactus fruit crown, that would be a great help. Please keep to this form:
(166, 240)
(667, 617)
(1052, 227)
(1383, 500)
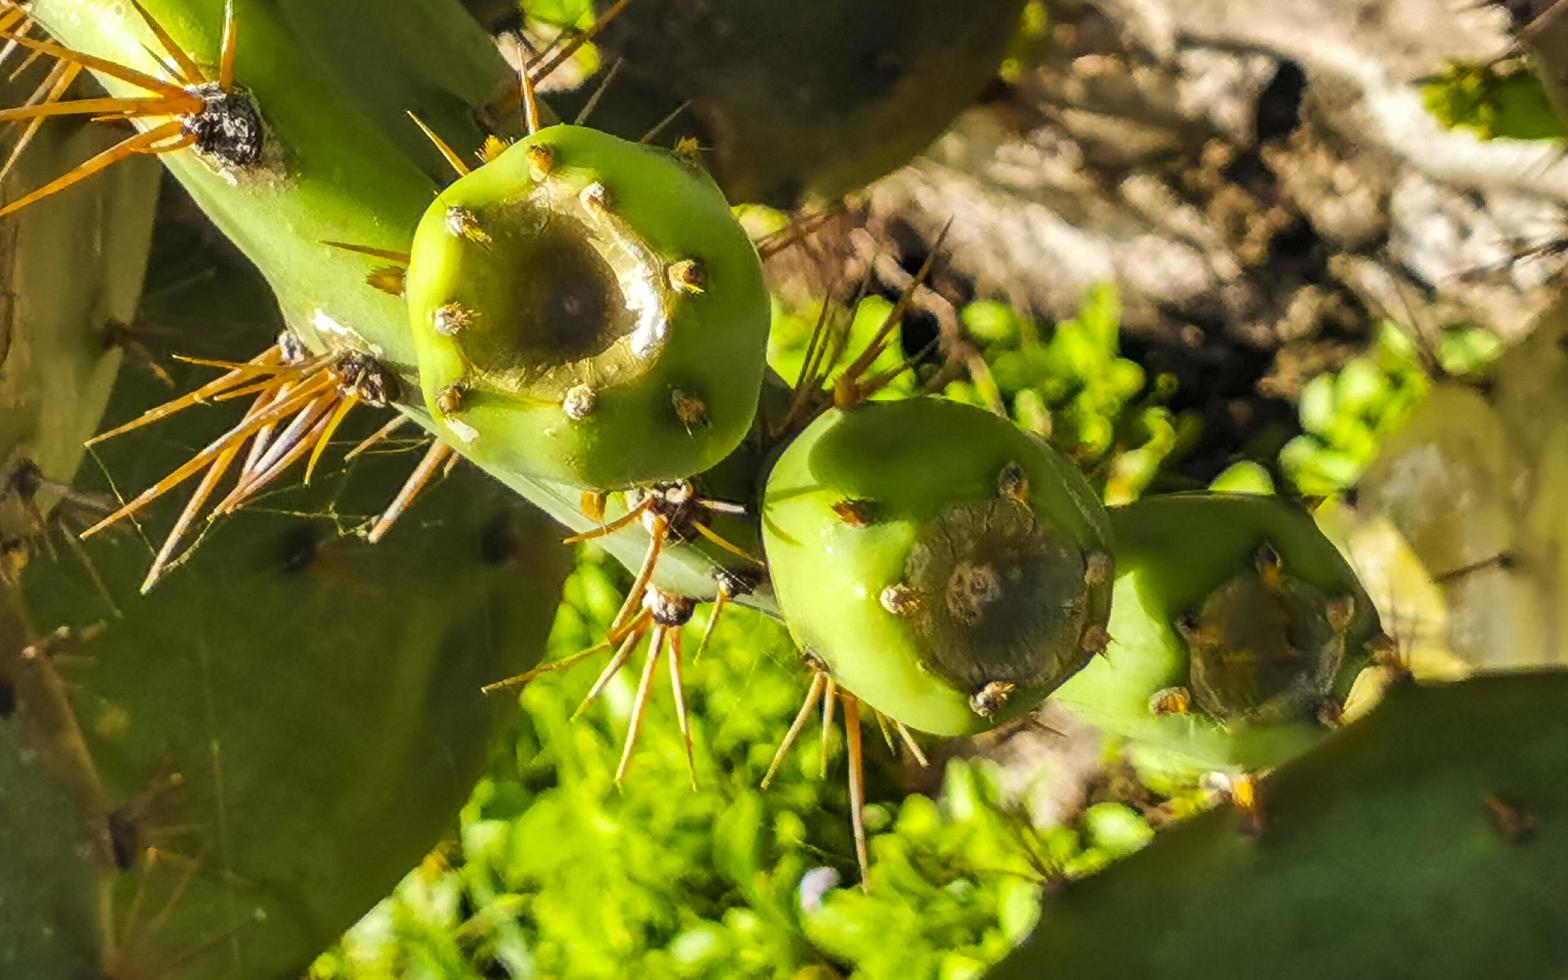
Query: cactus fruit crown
(587, 309)
(1238, 630)
(1264, 645)
(950, 591)
(1272, 618)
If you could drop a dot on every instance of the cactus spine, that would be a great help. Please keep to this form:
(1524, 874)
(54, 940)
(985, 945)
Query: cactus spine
(347, 166)
(950, 591)
(157, 755)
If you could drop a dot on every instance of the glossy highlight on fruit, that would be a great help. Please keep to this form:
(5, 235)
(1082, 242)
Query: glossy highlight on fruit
(587, 310)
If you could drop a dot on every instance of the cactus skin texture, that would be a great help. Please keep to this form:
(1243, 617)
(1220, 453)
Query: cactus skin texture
(342, 161)
(53, 331)
(345, 164)
(234, 768)
(601, 312)
(943, 565)
(47, 929)
(1429, 839)
(1233, 642)
(70, 269)
(805, 101)
(222, 675)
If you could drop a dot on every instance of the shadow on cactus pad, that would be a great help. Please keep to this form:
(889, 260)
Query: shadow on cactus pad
(232, 769)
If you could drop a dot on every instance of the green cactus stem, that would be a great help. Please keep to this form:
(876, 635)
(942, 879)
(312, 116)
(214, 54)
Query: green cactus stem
(1237, 629)
(161, 750)
(1425, 840)
(71, 272)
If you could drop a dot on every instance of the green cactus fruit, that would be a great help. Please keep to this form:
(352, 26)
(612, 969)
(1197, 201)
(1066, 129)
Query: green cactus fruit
(70, 274)
(1236, 630)
(1425, 840)
(346, 165)
(253, 754)
(942, 564)
(804, 101)
(587, 310)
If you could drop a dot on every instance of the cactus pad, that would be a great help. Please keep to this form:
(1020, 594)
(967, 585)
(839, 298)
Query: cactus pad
(161, 738)
(811, 99)
(58, 332)
(1426, 840)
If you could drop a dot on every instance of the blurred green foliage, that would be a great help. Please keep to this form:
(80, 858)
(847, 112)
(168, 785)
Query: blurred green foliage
(1346, 414)
(1070, 385)
(556, 874)
(1494, 101)
(1067, 383)
(1030, 45)
(1245, 476)
(547, 19)
(560, 13)
(854, 330)
(956, 883)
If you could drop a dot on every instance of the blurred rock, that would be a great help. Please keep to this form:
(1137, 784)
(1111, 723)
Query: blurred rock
(1260, 180)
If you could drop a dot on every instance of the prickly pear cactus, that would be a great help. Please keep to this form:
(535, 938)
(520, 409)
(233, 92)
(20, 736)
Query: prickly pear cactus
(805, 101)
(943, 565)
(339, 162)
(226, 773)
(1237, 630)
(337, 159)
(1424, 840)
(586, 310)
(70, 274)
